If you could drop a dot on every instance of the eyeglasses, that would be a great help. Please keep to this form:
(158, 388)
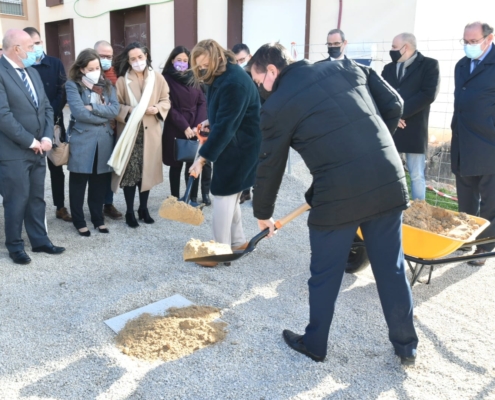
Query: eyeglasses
(464, 42)
(336, 44)
(105, 57)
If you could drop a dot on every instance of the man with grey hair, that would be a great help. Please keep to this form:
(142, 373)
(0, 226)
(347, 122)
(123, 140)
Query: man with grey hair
(473, 129)
(417, 79)
(105, 51)
(26, 132)
(336, 44)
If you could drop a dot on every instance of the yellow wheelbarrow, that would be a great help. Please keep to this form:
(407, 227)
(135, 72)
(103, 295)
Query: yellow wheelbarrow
(423, 248)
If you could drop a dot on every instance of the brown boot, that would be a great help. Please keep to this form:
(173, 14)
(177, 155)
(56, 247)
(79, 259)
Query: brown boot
(241, 247)
(110, 211)
(207, 264)
(63, 214)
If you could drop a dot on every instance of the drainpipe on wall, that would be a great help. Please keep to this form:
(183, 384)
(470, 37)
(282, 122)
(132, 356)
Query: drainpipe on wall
(340, 13)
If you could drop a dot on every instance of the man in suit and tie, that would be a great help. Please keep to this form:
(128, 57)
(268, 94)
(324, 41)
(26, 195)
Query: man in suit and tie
(473, 129)
(417, 79)
(26, 131)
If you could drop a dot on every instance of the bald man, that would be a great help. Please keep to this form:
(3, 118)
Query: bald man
(417, 79)
(26, 132)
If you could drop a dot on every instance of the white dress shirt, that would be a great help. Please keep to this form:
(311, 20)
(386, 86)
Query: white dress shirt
(16, 67)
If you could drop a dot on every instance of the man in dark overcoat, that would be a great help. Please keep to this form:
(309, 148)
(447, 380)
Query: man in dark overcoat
(52, 73)
(417, 79)
(326, 113)
(473, 129)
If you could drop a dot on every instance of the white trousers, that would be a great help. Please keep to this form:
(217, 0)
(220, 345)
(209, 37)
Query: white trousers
(227, 220)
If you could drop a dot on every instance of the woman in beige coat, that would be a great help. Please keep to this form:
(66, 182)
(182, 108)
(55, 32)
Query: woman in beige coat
(137, 157)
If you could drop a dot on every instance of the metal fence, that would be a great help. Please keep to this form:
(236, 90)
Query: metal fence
(11, 7)
(448, 52)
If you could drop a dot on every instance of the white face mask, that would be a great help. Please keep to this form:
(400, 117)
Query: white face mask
(139, 66)
(243, 64)
(473, 51)
(94, 76)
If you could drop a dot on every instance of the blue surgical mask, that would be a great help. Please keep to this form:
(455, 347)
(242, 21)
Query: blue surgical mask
(106, 64)
(473, 51)
(38, 49)
(30, 59)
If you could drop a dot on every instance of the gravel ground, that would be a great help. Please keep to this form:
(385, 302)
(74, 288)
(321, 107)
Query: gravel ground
(54, 344)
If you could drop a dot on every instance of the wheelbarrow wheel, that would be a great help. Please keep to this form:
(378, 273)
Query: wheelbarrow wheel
(358, 258)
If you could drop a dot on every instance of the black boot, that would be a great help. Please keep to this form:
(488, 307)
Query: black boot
(193, 202)
(144, 215)
(130, 219)
(206, 200)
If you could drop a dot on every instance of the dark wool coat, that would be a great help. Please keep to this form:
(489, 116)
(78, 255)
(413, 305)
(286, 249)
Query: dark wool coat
(418, 88)
(473, 123)
(188, 109)
(325, 112)
(234, 140)
(52, 74)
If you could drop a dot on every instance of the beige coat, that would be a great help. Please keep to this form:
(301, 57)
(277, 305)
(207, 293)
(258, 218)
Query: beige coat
(152, 164)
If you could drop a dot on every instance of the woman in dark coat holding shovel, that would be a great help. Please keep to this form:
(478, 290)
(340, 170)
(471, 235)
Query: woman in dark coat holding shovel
(188, 109)
(234, 140)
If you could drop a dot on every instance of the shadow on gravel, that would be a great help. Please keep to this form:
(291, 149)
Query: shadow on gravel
(84, 379)
(486, 391)
(448, 355)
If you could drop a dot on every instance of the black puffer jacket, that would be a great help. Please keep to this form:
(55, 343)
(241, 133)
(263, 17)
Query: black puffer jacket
(326, 112)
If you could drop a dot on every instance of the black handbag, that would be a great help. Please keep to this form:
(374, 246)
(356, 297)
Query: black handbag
(185, 150)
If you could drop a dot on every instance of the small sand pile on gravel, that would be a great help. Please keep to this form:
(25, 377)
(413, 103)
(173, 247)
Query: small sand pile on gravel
(176, 210)
(179, 333)
(437, 220)
(195, 248)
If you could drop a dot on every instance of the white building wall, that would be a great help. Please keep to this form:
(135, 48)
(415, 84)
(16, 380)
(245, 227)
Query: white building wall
(275, 20)
(212, 20)
(87, 31)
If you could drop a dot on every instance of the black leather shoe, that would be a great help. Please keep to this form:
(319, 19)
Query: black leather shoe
(206, 200)
(20, 257)
(102, 230)
(144, 215)
(130, 219)
(84, 233)
(49, 249)
(295, 342)
(407, 361)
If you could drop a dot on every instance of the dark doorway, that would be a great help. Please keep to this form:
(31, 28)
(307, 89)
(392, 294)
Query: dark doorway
(234, 22)
(60, 41)
(186, 23)
(130, 25)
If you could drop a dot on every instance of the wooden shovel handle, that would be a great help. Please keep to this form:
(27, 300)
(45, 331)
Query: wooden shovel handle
(294, 214)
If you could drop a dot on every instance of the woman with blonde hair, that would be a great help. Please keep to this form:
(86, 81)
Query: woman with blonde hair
(234, 140)
(137, 157)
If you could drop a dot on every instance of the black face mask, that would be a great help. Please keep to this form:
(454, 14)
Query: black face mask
(335, 52)
(263, 92)
(202, 72)
(395, 55)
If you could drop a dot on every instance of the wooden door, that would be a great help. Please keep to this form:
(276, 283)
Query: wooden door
(130, 25)
(60, 41)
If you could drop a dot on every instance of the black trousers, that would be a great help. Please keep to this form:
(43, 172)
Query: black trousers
(58, 184)
(174, 177)
(476, 196)
(97, 189)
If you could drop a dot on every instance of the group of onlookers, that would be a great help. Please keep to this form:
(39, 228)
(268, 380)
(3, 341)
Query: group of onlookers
(348, 124)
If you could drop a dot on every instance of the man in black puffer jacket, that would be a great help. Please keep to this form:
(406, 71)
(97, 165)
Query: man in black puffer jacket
(339, 117)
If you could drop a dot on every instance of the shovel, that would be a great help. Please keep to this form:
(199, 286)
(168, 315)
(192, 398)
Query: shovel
(254, 241)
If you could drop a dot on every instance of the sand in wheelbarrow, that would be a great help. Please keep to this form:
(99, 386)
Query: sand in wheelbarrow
(179, 333)
(195, 248)
(437, 220)
(176, 210)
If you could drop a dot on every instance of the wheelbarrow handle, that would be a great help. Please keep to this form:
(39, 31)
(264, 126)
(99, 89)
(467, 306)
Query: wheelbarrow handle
(294, 214)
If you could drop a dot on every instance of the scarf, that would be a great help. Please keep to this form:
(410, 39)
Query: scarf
(185, 78)
(97, 96)
(122, 150)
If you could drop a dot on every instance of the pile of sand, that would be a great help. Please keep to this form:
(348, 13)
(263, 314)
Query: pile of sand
(176, 210)
(179, 333)
(437, 220)
(195, 248)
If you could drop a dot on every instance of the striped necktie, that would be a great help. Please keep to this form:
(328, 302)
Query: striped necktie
(28, 86)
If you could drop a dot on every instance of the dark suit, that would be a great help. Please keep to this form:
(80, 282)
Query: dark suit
(473, 139)
(418, 88)
(22, 172)
(53, 76)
